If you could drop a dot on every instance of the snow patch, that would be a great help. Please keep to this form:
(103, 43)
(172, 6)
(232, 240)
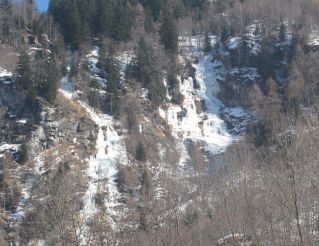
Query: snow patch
(9, 147)
(162, 113)
(4, 73)
(234, 43)
(66, 87)
(313, 38)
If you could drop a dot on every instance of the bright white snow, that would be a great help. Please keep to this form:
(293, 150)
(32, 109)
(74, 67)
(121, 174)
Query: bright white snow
(103, 167)
(190, 123)
(5, 147)
(66, 87)
(110, 148)
(313, 38)
(206, 126)
(234, 43)
(4, 73)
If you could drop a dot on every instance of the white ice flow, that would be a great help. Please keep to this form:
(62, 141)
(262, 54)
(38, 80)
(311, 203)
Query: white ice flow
(103, 167)
(206, 126)
(110, 151)
(66, 87)
(188, 123)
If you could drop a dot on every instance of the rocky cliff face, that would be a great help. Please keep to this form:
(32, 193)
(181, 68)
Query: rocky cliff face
(64, 123)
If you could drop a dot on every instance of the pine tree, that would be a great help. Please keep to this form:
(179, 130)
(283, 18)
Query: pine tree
(24, 73)
(122, 21)
(45, 76)
(169, 35)
(66, 13)
(155, 6)
(265, 61)
(225, 33)
(207, 43)
(143, 63)
(104, 17)
(87, 10)
(140, 153)
(148, 23)
(108, 63)
(113, 75)
(48, 89)
(23, 153)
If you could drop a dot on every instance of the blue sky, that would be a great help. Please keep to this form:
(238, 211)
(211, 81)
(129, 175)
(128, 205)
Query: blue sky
(42, 5)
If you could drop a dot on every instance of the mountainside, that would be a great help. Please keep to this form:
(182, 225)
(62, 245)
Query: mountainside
(159, 122)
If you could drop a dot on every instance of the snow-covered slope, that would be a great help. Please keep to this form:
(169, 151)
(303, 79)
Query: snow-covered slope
(197, 119)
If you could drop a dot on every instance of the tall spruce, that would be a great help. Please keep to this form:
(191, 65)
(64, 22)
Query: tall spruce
(169, 35)
(122, 21)
(23, 72)
(45, 75)
(207, 43)
(66, 13)
(104, 17)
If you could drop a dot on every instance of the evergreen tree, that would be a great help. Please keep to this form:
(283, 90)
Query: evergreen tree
(48, 88)
(67, 15)
(23, 153)
(172, 76)
(24, 73)
(31, 102)
(155, 7)
(148, 23)
(194, 3)
(104, 17)
(225, 33)
(45, 76)
(145, 69)
(140, 153)
(143, 63)
(113, 75)
(265, 61)
(122, 21)
(108, 63)
(207, 43)
(87, 10)
(169, 35)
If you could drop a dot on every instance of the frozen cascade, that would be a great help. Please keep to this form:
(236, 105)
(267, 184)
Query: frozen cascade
(110, 151)
(66, 87)
(103, 167)
(206, 127)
